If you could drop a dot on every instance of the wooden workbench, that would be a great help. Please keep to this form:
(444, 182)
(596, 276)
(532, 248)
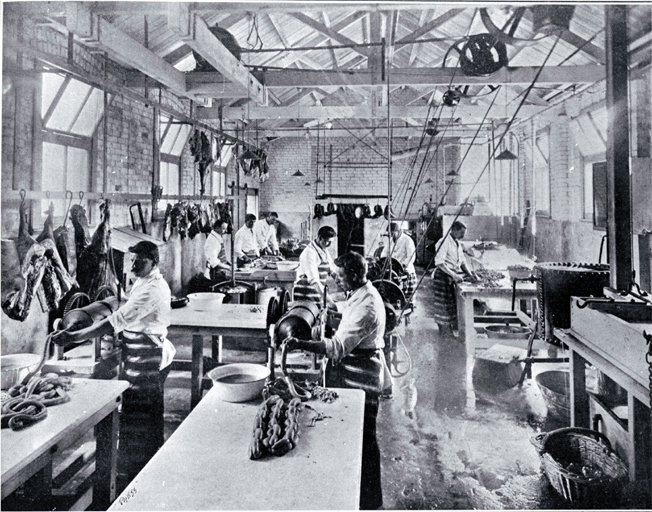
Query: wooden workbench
(637, 443)
(28, 453)
(270, 277)
(246, 321)
(205, 463)
(466, 293)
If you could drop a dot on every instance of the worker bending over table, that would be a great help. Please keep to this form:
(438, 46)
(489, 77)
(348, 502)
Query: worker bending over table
(315, 265)
(404, 252)
(245, 246)
(147, 356)
(450, 269)
(218, 267)
(265, 232)
(356, 360)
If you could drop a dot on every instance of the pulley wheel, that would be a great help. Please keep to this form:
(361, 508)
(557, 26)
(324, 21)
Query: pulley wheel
(390, 292)
(284, 300)
(273, 311)
(78, 300)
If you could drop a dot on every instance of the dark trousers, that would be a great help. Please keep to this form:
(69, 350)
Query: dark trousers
(371, 492)
(141, 416)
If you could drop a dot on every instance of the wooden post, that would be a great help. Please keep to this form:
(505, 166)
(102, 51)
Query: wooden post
(618, 178)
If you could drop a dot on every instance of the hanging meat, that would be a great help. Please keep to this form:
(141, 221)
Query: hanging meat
(94, 270)
(167, 223)
(193, 221)
(24, 240)
(80, 225)
(202, 149)
(42, 270)
(179, 218)
(18, 303)
(48, 226)
(205, 219)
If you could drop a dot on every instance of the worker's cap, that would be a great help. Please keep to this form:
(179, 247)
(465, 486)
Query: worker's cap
(147, 249)
(250, 217)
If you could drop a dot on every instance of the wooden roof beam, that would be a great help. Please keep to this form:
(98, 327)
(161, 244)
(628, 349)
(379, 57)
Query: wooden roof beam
(333, 34)
(434, 76)
(95, 31)
(469, 113)
(195, 33)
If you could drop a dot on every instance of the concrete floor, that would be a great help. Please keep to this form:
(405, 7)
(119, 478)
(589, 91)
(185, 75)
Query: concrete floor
(453, 451)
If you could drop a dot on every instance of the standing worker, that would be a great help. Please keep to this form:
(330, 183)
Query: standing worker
(450, 264)
(315, 265)
(147, 356)
(244, 242)
(217, 265)
(405, 253)
(265, 231)
(357, 361)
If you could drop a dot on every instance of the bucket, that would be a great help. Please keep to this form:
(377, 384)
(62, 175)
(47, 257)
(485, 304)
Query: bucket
(555, 388)
(264, 294)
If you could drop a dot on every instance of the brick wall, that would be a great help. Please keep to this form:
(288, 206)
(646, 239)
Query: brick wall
(365, 174)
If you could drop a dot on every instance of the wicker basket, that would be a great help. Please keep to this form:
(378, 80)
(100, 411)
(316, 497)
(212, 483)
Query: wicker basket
(583, 448)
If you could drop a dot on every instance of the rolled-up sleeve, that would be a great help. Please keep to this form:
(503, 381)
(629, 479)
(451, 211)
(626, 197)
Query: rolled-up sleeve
(358, 325)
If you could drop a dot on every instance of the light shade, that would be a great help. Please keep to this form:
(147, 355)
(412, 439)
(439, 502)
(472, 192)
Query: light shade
(506, 154)
(319, 180)
(452, 173)
(427, 181)
(298, 173)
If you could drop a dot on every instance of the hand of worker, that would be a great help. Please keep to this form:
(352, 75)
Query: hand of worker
(62, 338)
(290, 343)
(457, 278)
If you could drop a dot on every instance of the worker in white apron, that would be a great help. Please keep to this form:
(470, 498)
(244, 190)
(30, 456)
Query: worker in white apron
(315, 265)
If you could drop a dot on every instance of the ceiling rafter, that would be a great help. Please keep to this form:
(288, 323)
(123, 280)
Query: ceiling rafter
(332, 34)
(192, 29)
(470, 112)
(434, 76)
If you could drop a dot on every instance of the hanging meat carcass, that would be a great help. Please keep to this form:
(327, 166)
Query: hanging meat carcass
(94, 270)
(18, 303)
(80, 225)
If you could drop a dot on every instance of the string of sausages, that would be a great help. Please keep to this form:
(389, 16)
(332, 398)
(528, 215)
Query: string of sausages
(276, 427)
(28, 403)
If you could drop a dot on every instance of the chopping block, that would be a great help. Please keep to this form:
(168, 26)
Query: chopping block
(499, 367)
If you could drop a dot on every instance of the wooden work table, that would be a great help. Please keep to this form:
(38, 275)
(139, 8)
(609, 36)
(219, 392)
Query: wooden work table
(246, 321)
(269, 277)
(28, 453)
(205, 463)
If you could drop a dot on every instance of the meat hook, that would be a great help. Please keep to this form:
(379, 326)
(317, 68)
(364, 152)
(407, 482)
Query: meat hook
(81, 196)
(65, 217)
(23, 195)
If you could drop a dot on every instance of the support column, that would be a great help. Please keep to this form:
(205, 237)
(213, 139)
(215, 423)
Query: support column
(618, 151)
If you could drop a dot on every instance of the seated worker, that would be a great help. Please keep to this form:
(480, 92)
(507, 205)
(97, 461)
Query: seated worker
(147, 355)
(450, 265)
(356, 360)
(315, 265)
(244, 242)
(404, 252)
(265, 231)
(217, 266)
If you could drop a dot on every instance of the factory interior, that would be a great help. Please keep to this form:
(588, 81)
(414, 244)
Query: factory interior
(326, 255)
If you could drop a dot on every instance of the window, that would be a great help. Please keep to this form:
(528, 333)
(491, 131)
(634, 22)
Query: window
(71, 111)
(542, 172)
(599, 194)
(173, 137)
(218, 181)
(587, 191)
(71, 106)
(169, 178)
